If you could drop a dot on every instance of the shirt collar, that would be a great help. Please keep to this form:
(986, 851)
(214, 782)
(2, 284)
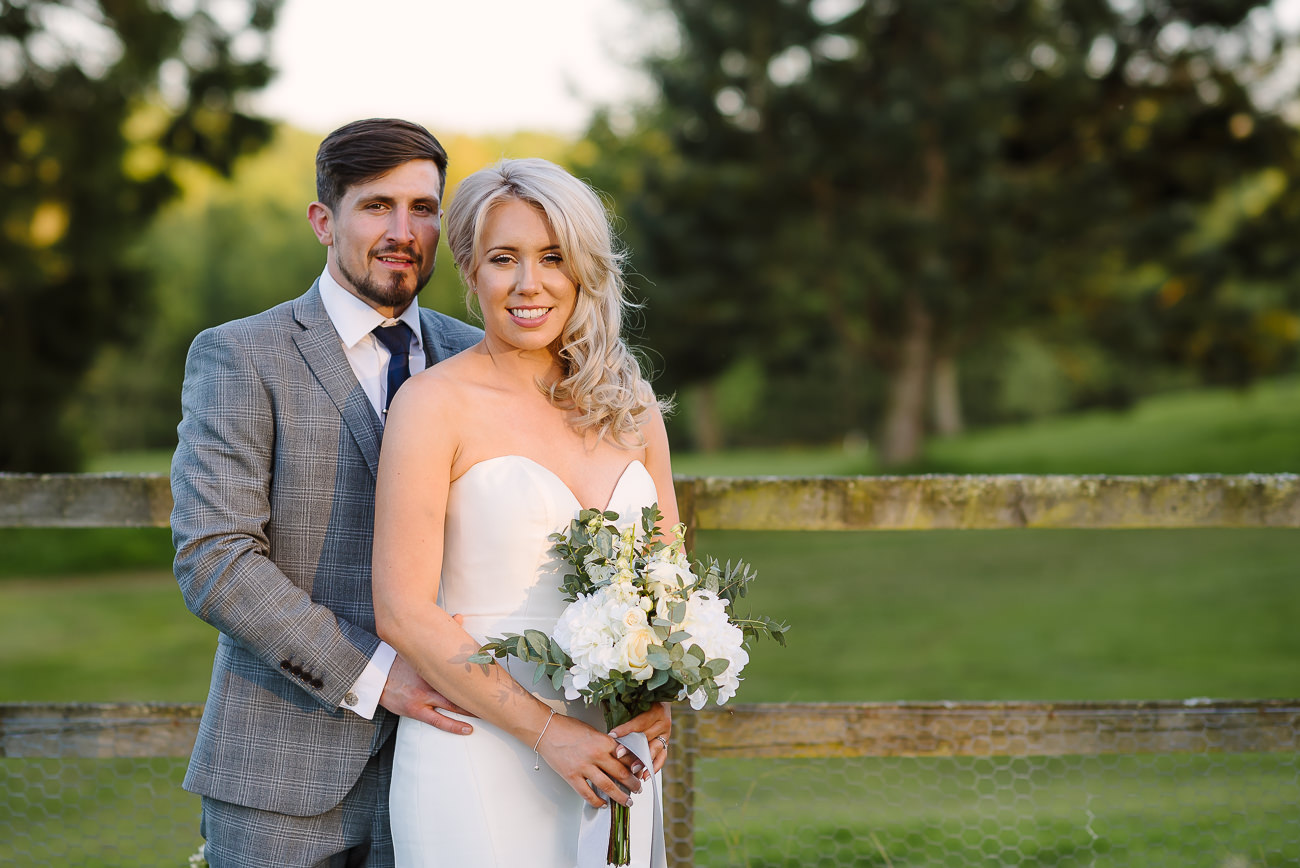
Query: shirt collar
(354, 319)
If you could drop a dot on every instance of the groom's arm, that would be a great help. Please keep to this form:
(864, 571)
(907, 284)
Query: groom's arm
(221, 483)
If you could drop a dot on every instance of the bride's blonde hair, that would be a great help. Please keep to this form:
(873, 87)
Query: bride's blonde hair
(600, 379)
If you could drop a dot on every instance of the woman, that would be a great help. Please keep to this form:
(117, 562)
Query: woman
(484, 456)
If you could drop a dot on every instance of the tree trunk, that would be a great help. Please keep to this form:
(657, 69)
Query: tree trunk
(904, 425)
(706, 424)
(945, 398)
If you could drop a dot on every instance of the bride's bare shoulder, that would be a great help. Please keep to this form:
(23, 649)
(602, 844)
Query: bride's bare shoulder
(451, 376)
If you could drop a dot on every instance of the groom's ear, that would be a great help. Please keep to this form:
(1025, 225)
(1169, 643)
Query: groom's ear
(322, 222)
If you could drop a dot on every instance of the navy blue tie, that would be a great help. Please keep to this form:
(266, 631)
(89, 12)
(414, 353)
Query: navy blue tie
(398, 340)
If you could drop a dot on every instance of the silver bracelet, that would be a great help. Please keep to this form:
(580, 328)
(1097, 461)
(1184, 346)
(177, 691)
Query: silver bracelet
(537, 757)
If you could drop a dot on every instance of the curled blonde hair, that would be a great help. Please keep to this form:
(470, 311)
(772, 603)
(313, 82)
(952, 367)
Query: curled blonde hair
(600, 379)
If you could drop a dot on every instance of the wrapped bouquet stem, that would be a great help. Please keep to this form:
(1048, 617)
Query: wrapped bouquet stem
(644, 624)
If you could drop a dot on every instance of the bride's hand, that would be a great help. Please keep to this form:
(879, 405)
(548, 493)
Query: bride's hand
(657, 724)
(587, 758)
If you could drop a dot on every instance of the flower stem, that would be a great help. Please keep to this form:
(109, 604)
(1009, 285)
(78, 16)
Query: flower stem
(620, 844)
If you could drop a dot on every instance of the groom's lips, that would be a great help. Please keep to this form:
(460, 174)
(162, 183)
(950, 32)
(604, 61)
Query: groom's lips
(397, 261)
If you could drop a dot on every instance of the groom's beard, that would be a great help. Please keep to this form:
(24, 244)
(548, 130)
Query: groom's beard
(394, 292)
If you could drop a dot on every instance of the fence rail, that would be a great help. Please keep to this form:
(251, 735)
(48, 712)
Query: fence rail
(871, 729)
(794, 503)
(765, 732)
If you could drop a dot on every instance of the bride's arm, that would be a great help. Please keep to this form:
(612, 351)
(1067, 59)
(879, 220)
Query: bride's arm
(419, 448)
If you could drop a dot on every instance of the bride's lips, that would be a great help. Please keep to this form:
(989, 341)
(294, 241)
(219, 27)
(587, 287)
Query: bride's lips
(530, 321)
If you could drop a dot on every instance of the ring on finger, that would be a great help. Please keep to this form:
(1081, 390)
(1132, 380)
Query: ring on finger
(662, 741)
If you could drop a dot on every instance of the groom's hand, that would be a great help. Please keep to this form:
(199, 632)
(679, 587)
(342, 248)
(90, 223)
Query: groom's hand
(656, 723)
(409, 695)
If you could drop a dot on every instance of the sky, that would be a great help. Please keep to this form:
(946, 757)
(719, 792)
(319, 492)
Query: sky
(468, 66)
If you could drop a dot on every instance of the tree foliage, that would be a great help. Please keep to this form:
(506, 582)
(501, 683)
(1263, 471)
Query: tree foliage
(870, 189)
(99, 100)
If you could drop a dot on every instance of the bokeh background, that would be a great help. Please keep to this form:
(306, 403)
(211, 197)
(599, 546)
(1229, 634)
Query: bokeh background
(877, 226)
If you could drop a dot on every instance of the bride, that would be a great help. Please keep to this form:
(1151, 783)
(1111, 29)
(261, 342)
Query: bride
(484, 456)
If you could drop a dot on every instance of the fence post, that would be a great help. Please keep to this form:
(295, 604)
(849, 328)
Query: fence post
(679, 791)
(679, 772)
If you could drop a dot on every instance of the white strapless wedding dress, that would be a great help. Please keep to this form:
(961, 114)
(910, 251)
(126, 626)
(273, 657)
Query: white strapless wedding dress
(475, 800)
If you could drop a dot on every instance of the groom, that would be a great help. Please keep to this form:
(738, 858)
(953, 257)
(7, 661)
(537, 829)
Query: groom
(274, 482)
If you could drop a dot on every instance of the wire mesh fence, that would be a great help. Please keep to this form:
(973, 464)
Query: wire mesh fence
(1224, 811)
(1100, 784)
(96, 812)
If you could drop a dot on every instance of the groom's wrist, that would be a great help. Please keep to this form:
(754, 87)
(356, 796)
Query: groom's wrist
(363, 697)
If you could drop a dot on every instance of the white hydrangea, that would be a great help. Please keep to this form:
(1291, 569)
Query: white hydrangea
(605, 632)
(706, 620)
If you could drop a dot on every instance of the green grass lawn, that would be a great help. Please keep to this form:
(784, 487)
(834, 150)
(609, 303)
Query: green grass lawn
(1206, 431)
(956, 615)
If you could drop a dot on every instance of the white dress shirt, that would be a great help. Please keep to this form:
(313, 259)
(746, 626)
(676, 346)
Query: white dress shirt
(354, 320)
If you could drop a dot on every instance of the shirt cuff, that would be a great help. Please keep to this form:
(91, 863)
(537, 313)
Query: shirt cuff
(363, 698)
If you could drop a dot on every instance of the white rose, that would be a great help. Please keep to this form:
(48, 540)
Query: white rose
(632, 654)
(635, 619)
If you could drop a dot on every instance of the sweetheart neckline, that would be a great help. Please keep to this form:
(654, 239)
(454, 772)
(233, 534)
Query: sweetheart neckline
(551, 473)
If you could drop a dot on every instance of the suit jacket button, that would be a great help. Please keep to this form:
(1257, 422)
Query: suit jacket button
(350, 698)
(284, 664)
(296, 670)
(317, 683)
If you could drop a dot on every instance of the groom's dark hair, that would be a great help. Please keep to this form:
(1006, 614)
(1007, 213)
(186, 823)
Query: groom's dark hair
(363, 150)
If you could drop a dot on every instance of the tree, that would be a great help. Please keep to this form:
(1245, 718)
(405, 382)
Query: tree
(893, 183)
(99, 101)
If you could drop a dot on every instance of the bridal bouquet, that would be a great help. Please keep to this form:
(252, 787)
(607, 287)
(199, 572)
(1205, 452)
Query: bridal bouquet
(644, 625)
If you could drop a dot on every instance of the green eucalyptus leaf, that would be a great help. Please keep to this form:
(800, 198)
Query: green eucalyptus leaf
(538, 641)
(658, 657)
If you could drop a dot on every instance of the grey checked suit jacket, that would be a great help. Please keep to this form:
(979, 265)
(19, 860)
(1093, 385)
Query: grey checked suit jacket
(274, 484)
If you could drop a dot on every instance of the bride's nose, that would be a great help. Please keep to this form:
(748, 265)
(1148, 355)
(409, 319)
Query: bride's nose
(526, 279)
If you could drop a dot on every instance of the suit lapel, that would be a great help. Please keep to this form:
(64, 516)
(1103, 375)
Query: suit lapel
(320, 347)
(430, 339)
(437, 345)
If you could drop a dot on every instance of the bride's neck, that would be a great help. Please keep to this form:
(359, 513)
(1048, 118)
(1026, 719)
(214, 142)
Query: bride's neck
(528, 366)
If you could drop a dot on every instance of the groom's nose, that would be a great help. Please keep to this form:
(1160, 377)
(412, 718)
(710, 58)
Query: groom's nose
(399, 227)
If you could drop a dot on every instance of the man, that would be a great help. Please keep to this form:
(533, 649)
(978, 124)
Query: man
(274, 481)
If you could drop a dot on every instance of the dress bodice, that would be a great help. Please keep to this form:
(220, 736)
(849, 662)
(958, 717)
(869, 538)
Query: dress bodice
(499, 569)
(478, 799)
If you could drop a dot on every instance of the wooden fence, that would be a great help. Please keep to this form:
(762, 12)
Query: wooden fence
(802, 730)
